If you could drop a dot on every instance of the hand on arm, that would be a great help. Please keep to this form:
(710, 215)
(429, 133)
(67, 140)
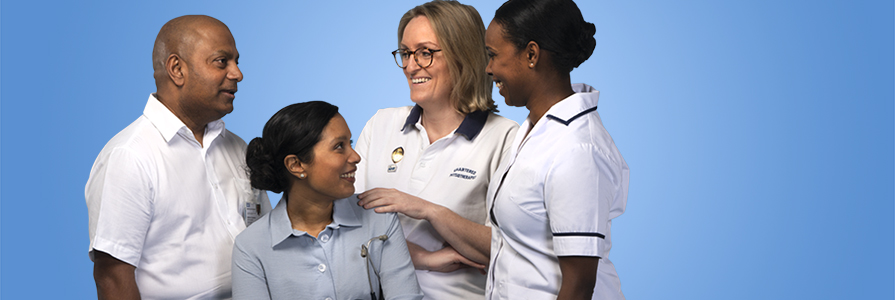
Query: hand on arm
(470, 239)
(579, 276)
(443, 260)
(115, 279)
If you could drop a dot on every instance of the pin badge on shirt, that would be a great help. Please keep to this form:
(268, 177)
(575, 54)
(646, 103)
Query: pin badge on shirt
(397, 156)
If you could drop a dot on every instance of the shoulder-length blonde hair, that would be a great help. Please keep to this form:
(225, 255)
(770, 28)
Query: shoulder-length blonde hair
(461, 34)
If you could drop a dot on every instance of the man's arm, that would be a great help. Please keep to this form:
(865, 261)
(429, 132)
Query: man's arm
(579, 276)
(114, 278)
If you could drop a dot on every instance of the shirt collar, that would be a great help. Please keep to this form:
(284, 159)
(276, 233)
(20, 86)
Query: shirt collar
(583, 102)
(169, 125)
(162, 118)
(470, 127)
(281, 227)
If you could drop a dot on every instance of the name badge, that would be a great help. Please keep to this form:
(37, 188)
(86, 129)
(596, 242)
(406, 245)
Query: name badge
(252, 213)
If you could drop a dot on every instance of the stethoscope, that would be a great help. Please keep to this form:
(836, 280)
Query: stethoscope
(365, 253)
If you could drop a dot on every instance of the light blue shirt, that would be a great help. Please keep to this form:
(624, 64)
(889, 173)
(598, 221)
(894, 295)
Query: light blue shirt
(273, 261)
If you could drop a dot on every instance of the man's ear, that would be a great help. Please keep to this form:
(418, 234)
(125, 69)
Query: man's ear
(294, 166)
(175, 66)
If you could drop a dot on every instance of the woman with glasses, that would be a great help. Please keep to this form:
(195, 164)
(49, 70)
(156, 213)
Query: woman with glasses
(564, 180)
(432, 161)
(316, 243)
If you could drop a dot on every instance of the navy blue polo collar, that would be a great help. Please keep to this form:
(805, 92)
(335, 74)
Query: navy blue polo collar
(470, 127)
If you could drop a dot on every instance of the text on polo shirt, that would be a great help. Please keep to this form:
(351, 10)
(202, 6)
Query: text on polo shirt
(459, 173)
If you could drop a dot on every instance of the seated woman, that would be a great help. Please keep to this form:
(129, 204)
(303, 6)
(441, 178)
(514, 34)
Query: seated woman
(316, 243)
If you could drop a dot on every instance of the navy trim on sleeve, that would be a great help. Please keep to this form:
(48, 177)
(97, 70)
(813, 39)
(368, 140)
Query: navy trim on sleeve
(597, 256)
(596, 234)
(564, 122)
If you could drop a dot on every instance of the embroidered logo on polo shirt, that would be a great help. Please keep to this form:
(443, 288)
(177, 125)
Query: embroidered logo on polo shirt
(463, 173)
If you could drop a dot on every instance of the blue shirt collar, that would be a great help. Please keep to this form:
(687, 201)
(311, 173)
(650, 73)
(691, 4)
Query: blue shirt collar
(470, 127)
(281, 227)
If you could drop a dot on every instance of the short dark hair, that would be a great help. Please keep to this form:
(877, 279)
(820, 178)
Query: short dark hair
(295, 129)
(555, 25)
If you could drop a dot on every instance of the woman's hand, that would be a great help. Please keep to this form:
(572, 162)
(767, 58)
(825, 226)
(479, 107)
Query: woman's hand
(392, 200)
(471, 239)
(443, 260)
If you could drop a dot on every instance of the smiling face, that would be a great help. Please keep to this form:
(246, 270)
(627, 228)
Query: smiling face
(330, 174)
(433, 83)
(508, 66)
(212, 73)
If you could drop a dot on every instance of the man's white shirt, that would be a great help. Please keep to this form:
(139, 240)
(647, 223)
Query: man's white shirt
(160, 201)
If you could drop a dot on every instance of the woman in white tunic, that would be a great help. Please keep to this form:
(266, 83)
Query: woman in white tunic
(564, 179)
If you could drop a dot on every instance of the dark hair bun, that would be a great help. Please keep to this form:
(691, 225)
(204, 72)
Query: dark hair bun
(586, 44)
(556, 25)
(262, 167)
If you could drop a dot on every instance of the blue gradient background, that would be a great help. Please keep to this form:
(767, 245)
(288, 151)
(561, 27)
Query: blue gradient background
(759, 134)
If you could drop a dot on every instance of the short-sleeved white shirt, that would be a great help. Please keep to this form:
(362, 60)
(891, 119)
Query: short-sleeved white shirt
(562, 185)
(453, 171)
(170, 207)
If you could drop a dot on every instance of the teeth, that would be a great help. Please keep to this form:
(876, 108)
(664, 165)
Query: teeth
(498, 84)
(419, 80)
(347, 175)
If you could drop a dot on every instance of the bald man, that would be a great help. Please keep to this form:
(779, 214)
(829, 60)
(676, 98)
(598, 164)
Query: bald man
(168, 194)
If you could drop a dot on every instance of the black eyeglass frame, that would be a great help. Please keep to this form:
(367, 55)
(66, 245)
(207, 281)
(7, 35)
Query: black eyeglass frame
(415, 59)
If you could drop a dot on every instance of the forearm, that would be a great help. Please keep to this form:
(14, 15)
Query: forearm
(579, 277)
(115, 279)
(470, 239)
(416, 255)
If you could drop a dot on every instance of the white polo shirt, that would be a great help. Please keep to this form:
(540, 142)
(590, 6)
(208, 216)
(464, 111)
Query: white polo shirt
(562, 186)
(161, 202)
(453, 171)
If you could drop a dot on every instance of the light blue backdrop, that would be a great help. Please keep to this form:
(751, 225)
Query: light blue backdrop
(759, 133)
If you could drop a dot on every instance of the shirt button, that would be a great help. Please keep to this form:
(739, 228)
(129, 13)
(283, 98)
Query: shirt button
(328, 298)
(422, 165)
(324, 238)
(321, 268)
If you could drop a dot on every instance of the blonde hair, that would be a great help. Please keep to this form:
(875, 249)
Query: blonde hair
(461, 34)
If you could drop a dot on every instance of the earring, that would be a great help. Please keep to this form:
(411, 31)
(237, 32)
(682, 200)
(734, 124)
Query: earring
(302, 176)
(531, 65)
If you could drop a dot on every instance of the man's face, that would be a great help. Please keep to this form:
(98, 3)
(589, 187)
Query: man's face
(212, 73)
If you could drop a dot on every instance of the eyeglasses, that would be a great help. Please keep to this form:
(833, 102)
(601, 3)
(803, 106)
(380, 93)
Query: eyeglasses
(422, 57)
